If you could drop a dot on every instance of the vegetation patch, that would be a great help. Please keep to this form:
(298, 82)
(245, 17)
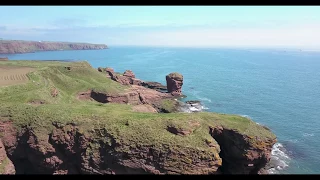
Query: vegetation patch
(176, 76)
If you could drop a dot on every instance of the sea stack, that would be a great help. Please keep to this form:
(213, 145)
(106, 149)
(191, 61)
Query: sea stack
(174, 83)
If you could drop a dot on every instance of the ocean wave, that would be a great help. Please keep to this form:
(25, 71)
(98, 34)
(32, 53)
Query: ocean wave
(293, 140)
(279, 159)
(195, 93)
(191, 108)
(203, 107)
(307, 134)
(204, 99)
(249, 117)
(246, 116)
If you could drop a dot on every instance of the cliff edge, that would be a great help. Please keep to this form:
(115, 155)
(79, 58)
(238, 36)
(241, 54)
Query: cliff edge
(69, 118)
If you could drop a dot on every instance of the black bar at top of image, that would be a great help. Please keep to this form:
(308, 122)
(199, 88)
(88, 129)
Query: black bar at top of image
(161, 2)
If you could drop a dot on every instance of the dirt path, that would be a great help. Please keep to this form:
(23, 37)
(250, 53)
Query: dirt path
(10, 75)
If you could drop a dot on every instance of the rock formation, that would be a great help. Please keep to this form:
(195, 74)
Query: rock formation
(127, 78)
(155, 85)
(124, 80)
(136, 95)
(140, 92)
(101, 69)
(242, 154)
(129, 73)
(174, 83)
(109, 71)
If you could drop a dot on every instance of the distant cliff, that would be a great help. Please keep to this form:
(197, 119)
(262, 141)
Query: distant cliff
(15, 46)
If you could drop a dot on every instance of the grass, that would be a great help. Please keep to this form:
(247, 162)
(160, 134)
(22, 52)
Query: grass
(168, 105)
(49, 75)
(176, 76)
(126, 126)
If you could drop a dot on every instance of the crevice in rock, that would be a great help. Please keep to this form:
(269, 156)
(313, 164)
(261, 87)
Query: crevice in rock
(19, 156)
(99, 97)
(28, 158)
(71, 160)
(238, 157)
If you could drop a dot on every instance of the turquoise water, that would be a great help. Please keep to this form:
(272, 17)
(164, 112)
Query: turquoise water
(277, 88)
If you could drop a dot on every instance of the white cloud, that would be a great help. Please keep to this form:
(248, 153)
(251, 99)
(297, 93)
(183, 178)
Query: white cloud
(306, 36)
(285, 35)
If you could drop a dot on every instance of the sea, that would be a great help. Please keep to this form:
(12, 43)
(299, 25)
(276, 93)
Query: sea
(279, 88)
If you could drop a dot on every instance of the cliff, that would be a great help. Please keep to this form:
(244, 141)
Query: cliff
(15, 46)
(72, 119)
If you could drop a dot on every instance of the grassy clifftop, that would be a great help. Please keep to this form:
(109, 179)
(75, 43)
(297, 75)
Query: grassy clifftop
(31, 105)
(15, 46)
(65, 108)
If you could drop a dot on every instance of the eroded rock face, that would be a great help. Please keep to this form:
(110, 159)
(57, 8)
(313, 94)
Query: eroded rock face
(174, 83)
(67, 150)
(135, 95)
(6, 165)
(124, 80)
(155, 85)
(127, 78)
(109, 70)
(242, 154)
(137, 82)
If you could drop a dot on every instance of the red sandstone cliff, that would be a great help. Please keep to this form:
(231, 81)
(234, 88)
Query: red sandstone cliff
(67, 150)
(12, 47)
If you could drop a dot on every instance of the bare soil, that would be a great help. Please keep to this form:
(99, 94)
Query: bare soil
(10, 75)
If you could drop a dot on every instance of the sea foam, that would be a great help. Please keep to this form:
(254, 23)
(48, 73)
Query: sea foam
(279, 159)
(191, 108)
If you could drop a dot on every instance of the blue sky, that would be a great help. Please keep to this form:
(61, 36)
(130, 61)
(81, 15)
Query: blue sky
(223, 26)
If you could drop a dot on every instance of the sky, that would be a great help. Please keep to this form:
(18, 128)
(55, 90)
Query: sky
(182, 26)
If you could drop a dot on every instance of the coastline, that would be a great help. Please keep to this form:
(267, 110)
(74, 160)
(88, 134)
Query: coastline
(219, 105)
(20, 47)
(123, 96)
